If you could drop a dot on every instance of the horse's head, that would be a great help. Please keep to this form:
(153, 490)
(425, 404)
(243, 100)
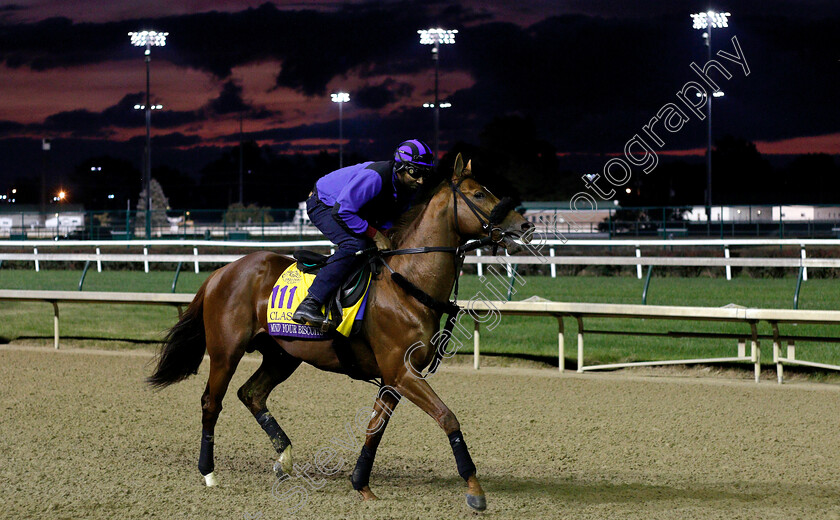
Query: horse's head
(479, 213)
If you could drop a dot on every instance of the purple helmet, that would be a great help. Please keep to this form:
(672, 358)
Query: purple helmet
(415, 157)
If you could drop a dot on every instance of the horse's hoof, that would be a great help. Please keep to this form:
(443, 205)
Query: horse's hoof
(210, 480)
(367, 494)
(477, 502)
(284, 464)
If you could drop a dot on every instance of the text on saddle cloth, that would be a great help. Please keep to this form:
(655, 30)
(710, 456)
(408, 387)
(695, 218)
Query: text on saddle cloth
(292, 287)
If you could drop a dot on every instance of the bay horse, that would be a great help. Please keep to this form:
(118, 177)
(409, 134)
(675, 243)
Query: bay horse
(228, 317)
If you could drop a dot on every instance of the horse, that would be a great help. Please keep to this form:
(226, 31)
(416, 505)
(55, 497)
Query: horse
(228, 317)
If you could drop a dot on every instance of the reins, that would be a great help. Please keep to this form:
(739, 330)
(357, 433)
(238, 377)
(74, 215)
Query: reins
(450, 308)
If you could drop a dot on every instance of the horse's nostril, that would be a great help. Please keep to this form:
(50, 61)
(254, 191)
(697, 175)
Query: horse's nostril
(527, 226)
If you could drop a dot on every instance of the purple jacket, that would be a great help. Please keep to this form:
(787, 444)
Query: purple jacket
(364, 196)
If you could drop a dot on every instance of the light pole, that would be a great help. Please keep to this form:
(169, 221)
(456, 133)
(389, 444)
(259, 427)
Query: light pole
(241, 151)
(340, 98)
(708, 21)
(148, 39)
(435, 37)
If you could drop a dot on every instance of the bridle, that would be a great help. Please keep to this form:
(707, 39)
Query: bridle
(494, 236)
(488, 222)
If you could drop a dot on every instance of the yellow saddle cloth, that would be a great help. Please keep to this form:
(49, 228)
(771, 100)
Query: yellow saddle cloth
(293, 286)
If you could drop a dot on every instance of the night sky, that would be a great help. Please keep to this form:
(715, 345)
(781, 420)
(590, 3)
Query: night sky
(589, 74)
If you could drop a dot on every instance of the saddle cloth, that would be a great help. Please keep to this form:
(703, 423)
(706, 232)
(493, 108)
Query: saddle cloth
(293, 286)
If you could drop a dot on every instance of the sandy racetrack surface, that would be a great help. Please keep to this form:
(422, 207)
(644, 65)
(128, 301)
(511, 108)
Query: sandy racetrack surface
(82, 437)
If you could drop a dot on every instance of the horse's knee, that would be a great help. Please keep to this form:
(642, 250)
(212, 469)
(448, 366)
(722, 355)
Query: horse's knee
(211, 407)
(449, 422)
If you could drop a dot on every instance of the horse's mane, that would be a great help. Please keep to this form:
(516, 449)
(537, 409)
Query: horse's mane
(406, 222)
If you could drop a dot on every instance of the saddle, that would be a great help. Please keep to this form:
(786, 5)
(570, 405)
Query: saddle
(348, 295)
(352, 289)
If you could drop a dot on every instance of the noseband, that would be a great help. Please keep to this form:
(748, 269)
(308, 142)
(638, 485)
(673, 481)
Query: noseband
(489, 223)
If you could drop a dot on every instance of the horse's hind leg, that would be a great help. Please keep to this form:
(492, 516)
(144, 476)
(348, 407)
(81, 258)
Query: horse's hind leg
(275, 368)
(223, 363)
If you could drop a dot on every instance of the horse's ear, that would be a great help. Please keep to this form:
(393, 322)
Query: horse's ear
(468, 168)
(459, 167)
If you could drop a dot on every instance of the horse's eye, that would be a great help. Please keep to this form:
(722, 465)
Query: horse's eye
(479, 195)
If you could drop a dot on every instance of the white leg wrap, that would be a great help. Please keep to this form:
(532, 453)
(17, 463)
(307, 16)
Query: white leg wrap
(286, 460)
(210, 480)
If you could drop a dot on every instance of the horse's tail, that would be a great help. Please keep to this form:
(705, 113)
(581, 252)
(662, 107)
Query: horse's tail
(183, 347)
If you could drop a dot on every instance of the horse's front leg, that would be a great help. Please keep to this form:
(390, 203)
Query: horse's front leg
(418, 391)
(386, 400)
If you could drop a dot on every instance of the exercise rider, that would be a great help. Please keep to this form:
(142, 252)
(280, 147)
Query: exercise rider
(351, 206)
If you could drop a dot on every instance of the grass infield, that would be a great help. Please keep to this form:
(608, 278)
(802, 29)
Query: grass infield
(142, 326)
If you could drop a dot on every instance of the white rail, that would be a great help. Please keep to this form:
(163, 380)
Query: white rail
(481, 311)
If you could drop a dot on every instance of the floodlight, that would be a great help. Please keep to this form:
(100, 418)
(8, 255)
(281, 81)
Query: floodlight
(707, 21)
(340, 98)
(148, 39)
(716, 20)
(435, 37)
(144, 38)
(432, 36)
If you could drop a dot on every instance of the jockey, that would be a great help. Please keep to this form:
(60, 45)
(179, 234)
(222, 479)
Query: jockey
(350, 206)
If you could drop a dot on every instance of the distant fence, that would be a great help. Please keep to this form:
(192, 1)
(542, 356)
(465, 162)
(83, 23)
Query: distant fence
(548, 253)
(285, 224)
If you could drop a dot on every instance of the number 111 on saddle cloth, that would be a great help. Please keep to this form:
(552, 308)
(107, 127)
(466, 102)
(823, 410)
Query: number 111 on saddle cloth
(293, 286)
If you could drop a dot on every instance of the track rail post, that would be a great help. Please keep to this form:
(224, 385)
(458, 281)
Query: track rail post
(639, 266)
(553, 265)
(755, 351)
(84, 273)
(561, 345)
(476, 344)
(580, 344)
(177, 273)
(776, 352)
(55, 323)
(728, 267)
(804, 269)
(798, 287)
(647, 285)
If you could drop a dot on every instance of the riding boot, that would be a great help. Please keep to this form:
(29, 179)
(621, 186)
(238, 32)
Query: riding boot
(309, 312)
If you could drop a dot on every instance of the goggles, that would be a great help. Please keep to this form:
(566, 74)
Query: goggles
(416, 171)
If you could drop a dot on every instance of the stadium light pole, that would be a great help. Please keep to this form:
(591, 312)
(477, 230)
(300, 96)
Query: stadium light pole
(340, 98)
(148, 39)
(707, 21)
(435, 37)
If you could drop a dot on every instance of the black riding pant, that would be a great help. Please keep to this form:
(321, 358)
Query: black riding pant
(341, 263)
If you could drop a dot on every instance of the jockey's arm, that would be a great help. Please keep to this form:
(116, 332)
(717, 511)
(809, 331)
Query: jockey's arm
(355, 194)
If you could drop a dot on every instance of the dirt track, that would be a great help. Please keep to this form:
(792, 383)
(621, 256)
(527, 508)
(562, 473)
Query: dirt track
(81, 437)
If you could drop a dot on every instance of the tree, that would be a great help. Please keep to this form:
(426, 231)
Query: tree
(159, 206)
(237, 214)
(740, 175)
(180, 187)
(811, 178)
